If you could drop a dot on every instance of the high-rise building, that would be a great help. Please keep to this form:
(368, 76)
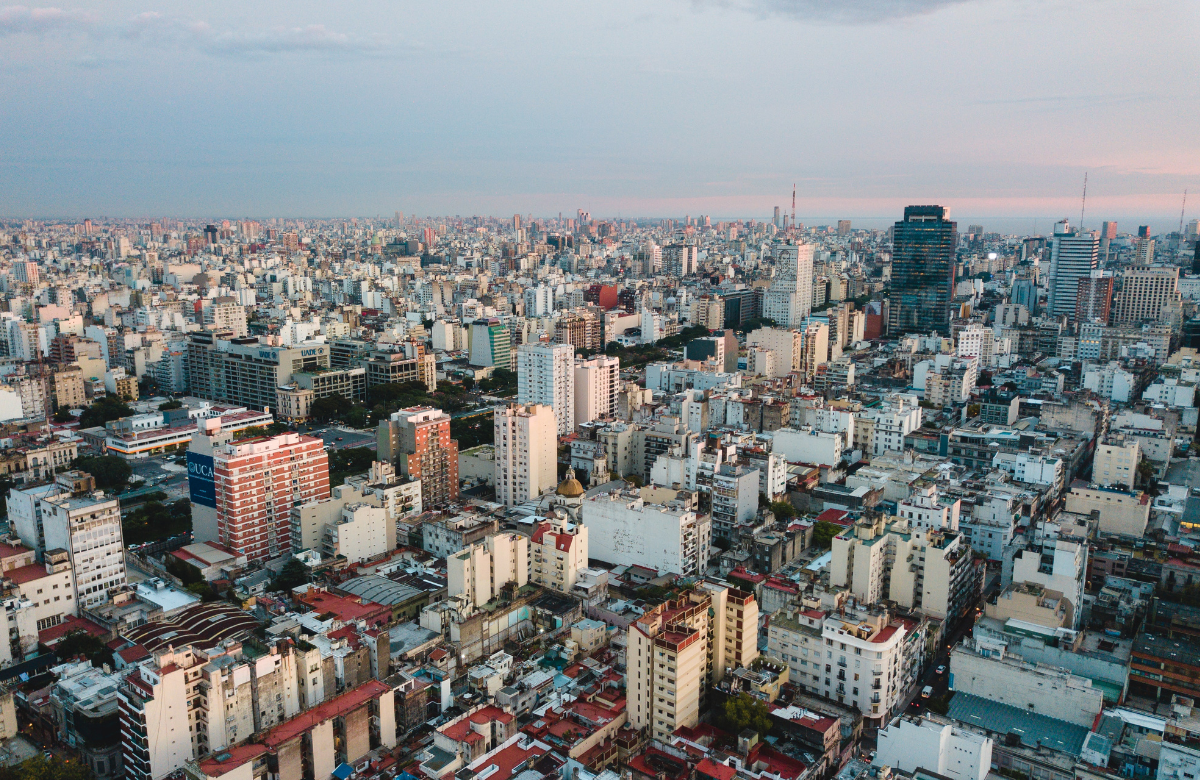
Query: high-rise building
(418, 441)
(226, 313)
(27, 272)
(490, 344)
(546, 375)
(1143, 251)
(70, 515)
(679, 647)
(679, 260)
(526, 453)
(242, 492)
(923, 268)
(789, 299)
(1093, 300)
(775, 219)
(1073, 256)
(245, 372)
(668, 537)
(1148, 293)
(843, 227)
(597, 383)
(1108, 230)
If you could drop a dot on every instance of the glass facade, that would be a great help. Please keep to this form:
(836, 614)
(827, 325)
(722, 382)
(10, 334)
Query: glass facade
(922, 271)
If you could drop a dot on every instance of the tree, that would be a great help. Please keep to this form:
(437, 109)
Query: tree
(742, 712)
(80, 643)
(331, 407)
(293, 575)
(468, 383)
(41, 768)
(783, 510)
(110, 407)
(823, 534)
(63, 415)
(203, 590)
(346, 463)
(174, 403)
(110, 471)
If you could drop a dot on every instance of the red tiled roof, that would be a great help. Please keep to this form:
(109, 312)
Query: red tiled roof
(337, 707)
(710, 768)
(230, 759)
(29, 573)
(12, 550)
(345, 608)
(133, 654)
(836, 516)
(461, 731)
(52, 635)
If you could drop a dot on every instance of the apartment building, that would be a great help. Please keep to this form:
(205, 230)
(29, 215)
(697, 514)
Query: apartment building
(417, 440)
(70, 515)
(1124, 512)
(243, 492)
(525, 452)
(597, 383)
(1148, 293)
(930, 571)
(1115, 463)
(863, 658)
(546, 375)
(679, 647)
(927, 510)
(558, 553)
(671, 536)
(480, 571)
(734, 497)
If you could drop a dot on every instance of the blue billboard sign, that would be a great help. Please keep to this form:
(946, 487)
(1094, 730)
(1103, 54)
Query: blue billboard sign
(202, 480)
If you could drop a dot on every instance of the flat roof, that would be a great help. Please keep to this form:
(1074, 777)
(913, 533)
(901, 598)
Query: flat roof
(1035, 730)
(346, 703)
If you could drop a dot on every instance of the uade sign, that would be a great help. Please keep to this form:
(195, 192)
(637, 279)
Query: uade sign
(201, 483)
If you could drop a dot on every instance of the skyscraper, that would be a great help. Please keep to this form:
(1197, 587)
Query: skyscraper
(843, 227)
(546, 375)
(418, 441)
(789, 299)
(490, 344)
(1073, 256)
(526, 452)
(922, 271)
(1093, 299)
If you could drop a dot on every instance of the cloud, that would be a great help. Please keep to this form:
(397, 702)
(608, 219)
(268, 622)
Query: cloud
(312, 38)
(20, 19)
(836, 11)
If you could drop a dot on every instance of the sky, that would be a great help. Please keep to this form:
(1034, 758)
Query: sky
(651, 108)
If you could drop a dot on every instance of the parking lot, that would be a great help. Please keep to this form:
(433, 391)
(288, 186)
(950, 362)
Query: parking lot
(344, 438)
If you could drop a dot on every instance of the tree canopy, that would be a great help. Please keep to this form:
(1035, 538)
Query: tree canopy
(823, 534)
(110, 471)
(293, 575)
(110, 407)
(742, 712)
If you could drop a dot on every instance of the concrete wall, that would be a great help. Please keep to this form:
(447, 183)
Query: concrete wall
(1044, 691)
(358, 735)
(935, 747)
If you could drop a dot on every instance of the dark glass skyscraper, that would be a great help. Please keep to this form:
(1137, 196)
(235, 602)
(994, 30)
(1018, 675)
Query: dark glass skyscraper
(923, 247)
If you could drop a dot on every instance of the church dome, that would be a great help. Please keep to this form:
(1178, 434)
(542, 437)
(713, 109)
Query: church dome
(570, 487)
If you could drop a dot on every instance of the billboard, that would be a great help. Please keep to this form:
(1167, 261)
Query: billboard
(201, 482)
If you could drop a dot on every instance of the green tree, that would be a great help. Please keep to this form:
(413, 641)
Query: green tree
(153, 521)
(110, 471)
(742, 712)
(293, 574)
(42, 768)
(783, 510)
(468, 383)
(81, 643)
(347, 463)
(110, 407)
(823, 534)
(331, 407)
(63, 415)
(174, 403)
(203, 590)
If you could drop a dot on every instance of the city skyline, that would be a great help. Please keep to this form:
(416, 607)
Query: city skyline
(995, 109)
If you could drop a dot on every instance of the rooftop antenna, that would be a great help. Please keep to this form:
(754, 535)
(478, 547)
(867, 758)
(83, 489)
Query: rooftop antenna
(1182, 210)
(793, 205)
(1083, 205)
